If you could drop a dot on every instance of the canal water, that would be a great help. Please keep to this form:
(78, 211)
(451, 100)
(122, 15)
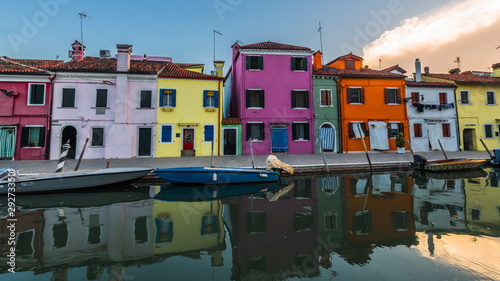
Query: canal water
(391, 226)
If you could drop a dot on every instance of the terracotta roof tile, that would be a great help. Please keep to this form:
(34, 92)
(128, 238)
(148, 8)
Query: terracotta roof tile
(94, 64)
(7, 67)
(496, 65)
(395, 67)
(231, 121)
(175, 70)
(429, 84)
(358, 73)
(348, 56)
(467, 78)
(273, 46)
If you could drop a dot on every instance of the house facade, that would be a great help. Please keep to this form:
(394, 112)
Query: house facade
(271, 92)
(371, 105)
(477, 107)
(25, 102)
(112, 102)
(188, 113)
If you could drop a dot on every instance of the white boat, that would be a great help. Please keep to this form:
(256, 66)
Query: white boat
(71, 180)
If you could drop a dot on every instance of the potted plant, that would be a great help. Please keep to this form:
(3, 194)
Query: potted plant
(400, 142)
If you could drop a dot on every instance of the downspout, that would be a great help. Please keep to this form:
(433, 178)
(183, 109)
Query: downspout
(219, 119)
(339, 95)
(49, 127)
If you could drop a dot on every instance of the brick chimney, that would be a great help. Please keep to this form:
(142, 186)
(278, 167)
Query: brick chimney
(219, 65)
(496, 70)
(455, 71)
(123, 57)
(77, 52)
(317, 60)
(418, 71)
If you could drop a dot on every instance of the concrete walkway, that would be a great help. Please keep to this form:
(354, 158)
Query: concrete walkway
(301, 162)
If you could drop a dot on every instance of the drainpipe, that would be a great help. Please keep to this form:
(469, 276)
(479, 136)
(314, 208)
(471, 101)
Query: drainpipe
(49, 127)
(339, 95)
(219, 121)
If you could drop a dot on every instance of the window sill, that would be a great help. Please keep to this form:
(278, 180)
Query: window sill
(254, 69)
(254, 107)
(326, 106)
(299, 70)
(31, 147)
(355, 103)
(257, 140)
(300, 140)
(492, 104)
(144, 108)
(300, 108)
(392, 103)
(67, 107)
(35, 104)
(94, 107)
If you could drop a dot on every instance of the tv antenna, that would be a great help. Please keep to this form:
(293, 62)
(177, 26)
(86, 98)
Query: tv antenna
(215, 31)
(379, 64)
(82, 15)
(457, 61)
(498, 47)
(321, 40)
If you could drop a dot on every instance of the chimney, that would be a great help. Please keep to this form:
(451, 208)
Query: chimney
(317, 60)
(236, 48)
(77, 52)
(496, 70)
(455, 71)
(418, 71)
(426, 70)
(123, 57)
(219, 65)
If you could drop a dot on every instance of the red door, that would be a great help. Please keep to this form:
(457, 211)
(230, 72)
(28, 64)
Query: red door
(188, 139)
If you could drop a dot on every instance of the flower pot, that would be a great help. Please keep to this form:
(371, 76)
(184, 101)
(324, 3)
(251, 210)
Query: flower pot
(401, 150)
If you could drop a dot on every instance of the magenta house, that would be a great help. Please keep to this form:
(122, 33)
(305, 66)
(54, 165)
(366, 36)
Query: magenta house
(271, 92)
(25, 101)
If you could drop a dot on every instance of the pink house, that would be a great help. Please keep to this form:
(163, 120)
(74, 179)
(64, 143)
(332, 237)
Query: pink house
(25, 102)
(271, 92)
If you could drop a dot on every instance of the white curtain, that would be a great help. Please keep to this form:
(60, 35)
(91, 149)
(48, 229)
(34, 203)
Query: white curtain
(378, 135)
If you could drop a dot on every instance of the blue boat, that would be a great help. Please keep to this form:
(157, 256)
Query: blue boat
(207, 175)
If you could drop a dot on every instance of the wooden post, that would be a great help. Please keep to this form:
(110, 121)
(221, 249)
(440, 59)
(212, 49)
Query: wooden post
(362, 134)
(81, 155)
(489, 153)
(251, 152)
(323, 154)
(411, 150)
(442, 149)
(109, 162)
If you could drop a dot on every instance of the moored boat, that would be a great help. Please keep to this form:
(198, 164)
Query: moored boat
(420, 162)
(208, 175)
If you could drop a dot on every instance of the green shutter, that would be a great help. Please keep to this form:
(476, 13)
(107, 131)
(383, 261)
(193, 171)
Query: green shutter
(294, 100)
(293, 63)
(24, 136)
(304, 65)
(41, 138)
(306, 99)
(261, 99)
(261, 62)
(249, 62)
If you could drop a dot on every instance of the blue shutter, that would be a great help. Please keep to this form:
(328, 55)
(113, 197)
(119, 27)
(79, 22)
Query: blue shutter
(209, 132)
(205, 98)
(166, 134)
(216, 98)
(161, 97)
(173, 98)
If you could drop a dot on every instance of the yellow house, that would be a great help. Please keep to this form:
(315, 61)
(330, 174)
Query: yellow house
(477, 107)
(189, 111)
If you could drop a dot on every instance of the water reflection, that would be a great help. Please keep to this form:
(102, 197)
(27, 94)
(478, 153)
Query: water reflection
(308, 227)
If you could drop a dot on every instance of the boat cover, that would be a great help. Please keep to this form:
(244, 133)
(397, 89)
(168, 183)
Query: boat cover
(4, 173)
(273, 162)
(496, 158)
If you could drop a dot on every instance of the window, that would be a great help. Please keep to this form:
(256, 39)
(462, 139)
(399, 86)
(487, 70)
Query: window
(300, 131)
(255, 62)
(94, 232)
(488, 131)
(355, 95)
(24, 243)
(446, 130)
(256, 222)
(209, 225)
(490, 98)
(392, 96)
(208, 133)
(354, 132)
(97, 136)
(36, 94)
(393, 129)
(362, 222)
(145, 99)
(255, 131)
(141, 230)
(101, 98)
(415, 98)
(164, 228)
(59, 235)
(167, 97)
(68, 98)
(464, 98)
(33, 136)
(330, 221)
(400, 220)
(417, 130)
(210, 98)
(325, 98)
(303, 221)
(255, 99)
(443, 98)
(300, 99)
(299, 63)
(166, 133)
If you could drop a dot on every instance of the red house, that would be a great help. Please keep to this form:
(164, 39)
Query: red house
(25, 102)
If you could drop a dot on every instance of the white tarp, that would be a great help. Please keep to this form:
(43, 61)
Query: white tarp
(358, 131)
(434, 134)
(378, 135)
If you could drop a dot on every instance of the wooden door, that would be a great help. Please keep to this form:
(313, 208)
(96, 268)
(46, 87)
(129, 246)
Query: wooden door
(188, 139)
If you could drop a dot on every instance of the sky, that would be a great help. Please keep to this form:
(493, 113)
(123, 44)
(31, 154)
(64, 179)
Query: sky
(384, 32)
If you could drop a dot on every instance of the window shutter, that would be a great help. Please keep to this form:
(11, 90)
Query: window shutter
(261, 62)
(389, 130)
(293, 63)
(173, 97)
(304, 65)
(294, 100)
(294, 131)
(41, 138)
(386, 96)
(307, 99)
(261, 125)
(248, 98)
(166, 133)
(362, 95)
(329, 98)
(261, 98)
(205, 98)
(398, 96)
(365, 131)
(216, 99)
(306, 131)
(249, 61)
(349, 95)
(401, 127)
(24, 136)
(350, 129)
(162, 91)
(209, 132)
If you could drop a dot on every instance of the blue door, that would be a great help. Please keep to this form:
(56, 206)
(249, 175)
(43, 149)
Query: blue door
(279, 141)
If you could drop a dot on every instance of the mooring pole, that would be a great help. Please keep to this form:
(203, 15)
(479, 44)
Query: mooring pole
(323, 154)
(411, 150)
(442, 149)
(362, 135)
(62, 158)
(212, 155)
(251, 153)
(489, 153)
(81, 155)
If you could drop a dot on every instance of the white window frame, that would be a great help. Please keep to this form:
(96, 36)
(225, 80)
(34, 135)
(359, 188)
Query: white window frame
(302, 122)
(214, 105)
(103, 136)
(395, 96)
(257, 122)
(204, 126)
(468, 97)
(356, 103)
(140, 99)
(256, 107)
(29, 94)
(62, 95)
(331, 97)
(494, 98)
(389, 123)
(303, 91)
(95, 98)
(29, 131)
(171, 93)
(492, 131)
(171, 133)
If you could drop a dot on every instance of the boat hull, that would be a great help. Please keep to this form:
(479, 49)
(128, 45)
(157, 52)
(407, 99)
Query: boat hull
(204, 175)
(451, 165)
(55, 182)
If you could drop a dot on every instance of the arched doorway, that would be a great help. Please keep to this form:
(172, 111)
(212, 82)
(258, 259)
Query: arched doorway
(69, 133)
(327, 136)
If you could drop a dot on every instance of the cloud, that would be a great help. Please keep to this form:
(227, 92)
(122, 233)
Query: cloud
(432, 31)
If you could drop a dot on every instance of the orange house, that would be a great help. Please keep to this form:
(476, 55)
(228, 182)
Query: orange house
(371, 100)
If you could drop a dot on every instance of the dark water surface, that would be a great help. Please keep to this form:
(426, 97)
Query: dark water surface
(392, 226)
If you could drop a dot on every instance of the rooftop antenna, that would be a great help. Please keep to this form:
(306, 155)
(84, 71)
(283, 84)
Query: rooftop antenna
(457, 61)
(379, 64)
(215, 31)
(321, 40)
(82, 16)
(498, 47)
